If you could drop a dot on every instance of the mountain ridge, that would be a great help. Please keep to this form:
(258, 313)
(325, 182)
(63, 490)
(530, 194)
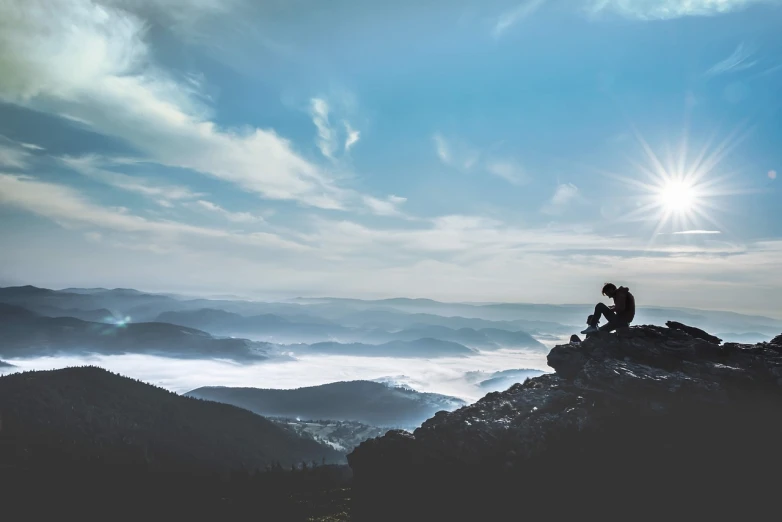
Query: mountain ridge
(367, 402)
(646, 413)
(28, 334)
(88, 412)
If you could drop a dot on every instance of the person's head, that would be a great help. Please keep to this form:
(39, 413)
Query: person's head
(609, 289)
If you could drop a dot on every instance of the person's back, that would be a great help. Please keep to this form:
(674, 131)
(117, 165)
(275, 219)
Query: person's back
(624, 305)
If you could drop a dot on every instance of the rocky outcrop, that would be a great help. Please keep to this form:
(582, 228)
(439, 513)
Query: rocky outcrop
(645, 423)
(695, 332)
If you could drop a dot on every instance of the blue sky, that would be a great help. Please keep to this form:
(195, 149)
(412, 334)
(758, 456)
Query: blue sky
(509, 151)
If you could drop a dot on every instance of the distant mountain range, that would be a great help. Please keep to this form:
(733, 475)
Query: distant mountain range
(277, 329)
(90, 413)
(27, 334)
(746, 337)
(551, 318)
(367, 402)
(484, 339)
(89, 304)
(420, 348)
(142, 323)
(4, 364)
(266, 327)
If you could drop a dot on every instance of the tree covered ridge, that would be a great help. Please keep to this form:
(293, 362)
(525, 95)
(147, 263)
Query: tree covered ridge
(368, 402)
(91, 413)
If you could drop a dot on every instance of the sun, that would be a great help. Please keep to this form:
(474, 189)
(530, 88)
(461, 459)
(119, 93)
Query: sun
(679, 192)
(677, 197)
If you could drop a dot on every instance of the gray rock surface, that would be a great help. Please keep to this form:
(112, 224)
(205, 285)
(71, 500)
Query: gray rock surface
(647, 416)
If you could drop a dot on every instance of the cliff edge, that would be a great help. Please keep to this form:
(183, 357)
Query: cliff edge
(646, 423)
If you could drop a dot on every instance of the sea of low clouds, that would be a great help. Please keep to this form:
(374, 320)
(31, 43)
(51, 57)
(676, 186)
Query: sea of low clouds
(448, 376)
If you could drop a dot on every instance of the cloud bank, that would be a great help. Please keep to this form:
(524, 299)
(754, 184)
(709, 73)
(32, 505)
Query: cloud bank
(667, 9)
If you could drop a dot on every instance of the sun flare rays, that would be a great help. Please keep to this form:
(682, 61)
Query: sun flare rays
(681, 193)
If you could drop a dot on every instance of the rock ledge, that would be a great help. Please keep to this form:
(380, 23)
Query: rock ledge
(650, 419)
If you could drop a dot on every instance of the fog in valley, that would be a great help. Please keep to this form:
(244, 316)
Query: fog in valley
(458, 377)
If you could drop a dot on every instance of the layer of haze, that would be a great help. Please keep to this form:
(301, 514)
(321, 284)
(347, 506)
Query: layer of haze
(442, 375)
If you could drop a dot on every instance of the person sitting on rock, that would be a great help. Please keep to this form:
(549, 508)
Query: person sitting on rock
(619, 315)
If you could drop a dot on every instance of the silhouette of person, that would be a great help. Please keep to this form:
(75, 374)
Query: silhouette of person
(619, 315)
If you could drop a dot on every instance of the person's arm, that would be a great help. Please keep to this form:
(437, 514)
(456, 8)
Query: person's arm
(619, 302)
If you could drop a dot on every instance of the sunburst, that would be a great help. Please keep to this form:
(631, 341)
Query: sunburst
(682, 193)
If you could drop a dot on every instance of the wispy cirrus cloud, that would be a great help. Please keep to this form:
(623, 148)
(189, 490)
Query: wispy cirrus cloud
(696, 232)
(460, 155)
(515, 15)
(464, 156)
(331, 137)
(739, 60)
(352, 136)
(508, 170)
(327, 139)
(15, 154)
(442, 149)
(235, 217)
(385, 207)
(667, 9)
(13, 157)
(66, 206)
(92, 62)
(96, 168)
(564, 195)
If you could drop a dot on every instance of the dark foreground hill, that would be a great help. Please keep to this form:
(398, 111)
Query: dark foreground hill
(646, 424)
(88, 412)
(368, 402)
(27, 334)
(83, 443)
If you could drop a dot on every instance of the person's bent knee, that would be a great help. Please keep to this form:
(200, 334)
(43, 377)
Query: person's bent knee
(601, 307)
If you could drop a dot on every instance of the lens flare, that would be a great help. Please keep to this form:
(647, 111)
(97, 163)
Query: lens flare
(677, 197)
(685, 191)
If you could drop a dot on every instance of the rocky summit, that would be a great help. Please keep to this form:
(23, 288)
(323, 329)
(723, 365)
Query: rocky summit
(648, 423)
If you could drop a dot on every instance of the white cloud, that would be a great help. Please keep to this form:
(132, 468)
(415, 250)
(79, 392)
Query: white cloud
(454, 236)
(508, 170)
(179, 15)
(352, 136)
(772, 174)
(327, 139)
(65, 206)
(13, 157)
(461, 155)
(385, 207)
(564, 195)
(330, 136)
(464, 156)
(91, 166)
(443, 151)
(666, 9)
(510, 18)
(235, 217)
(90, 60)
(739, 60)
(696, 232)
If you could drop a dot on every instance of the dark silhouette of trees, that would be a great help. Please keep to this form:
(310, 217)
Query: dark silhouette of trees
(89, 443)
